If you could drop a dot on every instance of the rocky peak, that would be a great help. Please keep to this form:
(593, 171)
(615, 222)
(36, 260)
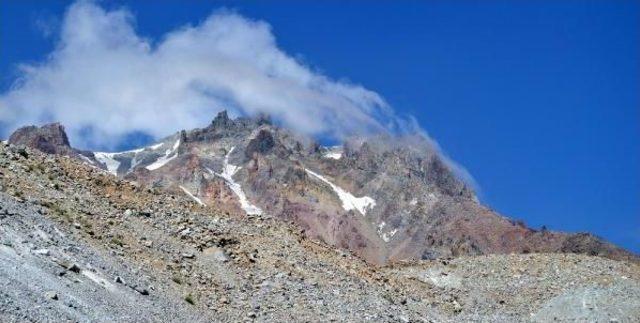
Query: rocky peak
(50, 138)
(437, 172)
(221, 120)
(384, 198)
(410, 157)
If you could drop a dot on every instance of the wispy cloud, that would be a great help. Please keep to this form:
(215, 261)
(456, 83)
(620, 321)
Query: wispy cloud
(104, 81)
(104, 77)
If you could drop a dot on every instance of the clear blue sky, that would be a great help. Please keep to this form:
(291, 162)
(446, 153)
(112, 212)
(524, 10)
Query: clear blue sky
(539, 100)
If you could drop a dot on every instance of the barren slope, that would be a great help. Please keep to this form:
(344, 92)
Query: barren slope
(384, 198)
(114, 251)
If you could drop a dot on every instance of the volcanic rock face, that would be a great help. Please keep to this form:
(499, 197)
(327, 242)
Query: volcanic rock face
(385, 199)
(50, 139)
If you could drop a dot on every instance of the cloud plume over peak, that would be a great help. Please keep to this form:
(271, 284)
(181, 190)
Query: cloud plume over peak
(104, 81)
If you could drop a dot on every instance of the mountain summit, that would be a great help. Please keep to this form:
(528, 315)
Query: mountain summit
(384, 198)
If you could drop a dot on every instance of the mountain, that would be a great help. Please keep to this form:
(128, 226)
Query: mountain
(384, 198)
(50, 139)
(78, 244)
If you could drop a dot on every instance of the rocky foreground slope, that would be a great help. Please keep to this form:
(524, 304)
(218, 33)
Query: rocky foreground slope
(79, 244)
(386, 199)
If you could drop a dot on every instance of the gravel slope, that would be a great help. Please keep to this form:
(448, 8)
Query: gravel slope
(78, 244)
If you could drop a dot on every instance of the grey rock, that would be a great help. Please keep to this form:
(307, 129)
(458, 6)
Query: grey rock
(216, 254)
(74, 268)
(617, 302)
(51, 295)
(43, 252)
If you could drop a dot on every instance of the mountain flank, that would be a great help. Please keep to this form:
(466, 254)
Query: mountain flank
(386, 199)
(82, 245)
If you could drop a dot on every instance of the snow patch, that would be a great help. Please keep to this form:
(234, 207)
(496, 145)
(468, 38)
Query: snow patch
(86, 159)
(108, 160)
(334, 152)
(176, 145)
(169, 155)
(163, 160)
(192, 196)
(349, 202)
(134, 151)
(386, 236)
(227, 174)
(156, 146)
(333, 155)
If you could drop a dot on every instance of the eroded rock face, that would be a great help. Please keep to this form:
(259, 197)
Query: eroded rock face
(261, 144)
(51, 139)
(383, 198)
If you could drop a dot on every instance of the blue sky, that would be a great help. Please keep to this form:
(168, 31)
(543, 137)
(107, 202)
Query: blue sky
(539, 100)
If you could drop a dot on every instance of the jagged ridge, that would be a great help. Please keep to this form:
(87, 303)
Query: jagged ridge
(415, 206)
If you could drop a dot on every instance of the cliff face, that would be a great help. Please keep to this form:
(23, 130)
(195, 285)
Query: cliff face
(384, 198)
(50, 139)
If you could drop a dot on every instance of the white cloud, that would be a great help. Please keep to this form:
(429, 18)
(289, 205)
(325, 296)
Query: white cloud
(104, 76)
(104, 81)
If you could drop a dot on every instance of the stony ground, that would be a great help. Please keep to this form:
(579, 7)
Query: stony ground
(78, 244)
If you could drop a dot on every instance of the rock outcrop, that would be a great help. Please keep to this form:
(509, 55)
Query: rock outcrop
(384, 198)
(51, 139)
